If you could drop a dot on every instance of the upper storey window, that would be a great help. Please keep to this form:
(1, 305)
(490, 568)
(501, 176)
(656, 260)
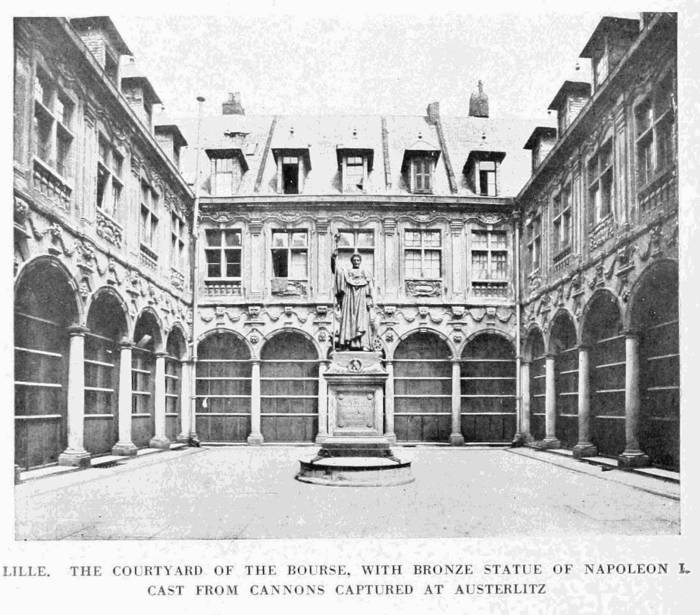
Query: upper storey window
(227, 169)
(419, 166)
(109, 179)
(654, 119)
(356, 242)
(482, 172)
(561, 222)
(52, 126)
(149, 220)
(489, 251)
(423, 254)
(533, 240)
(355, 163)
(293, 165)
(600, 182)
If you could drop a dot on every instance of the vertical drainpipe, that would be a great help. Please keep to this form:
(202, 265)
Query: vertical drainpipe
(518, 438)
(194, 272)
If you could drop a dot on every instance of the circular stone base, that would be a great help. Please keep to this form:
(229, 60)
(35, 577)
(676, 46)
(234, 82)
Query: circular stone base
(355, 472)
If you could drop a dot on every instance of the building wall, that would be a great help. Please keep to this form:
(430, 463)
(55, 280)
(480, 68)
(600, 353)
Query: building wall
(614, 261)
(68, 247)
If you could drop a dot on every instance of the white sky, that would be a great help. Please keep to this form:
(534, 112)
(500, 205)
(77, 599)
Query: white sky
(391, 63)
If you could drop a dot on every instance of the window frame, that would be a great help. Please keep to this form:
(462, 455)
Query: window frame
(425, 163)
(149, 240)
(346, 184)
(533, 241)
(489, 249)
(422, 249)
(355, 248)
(111, 166)
(493, 171)
(598, 175)
(235, 174)
(290, 249)
(221, 248)
(562, 229)
(177, 241)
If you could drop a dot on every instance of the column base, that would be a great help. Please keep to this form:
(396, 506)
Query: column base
(255, 439)
(585, 449)
(522, 439)
(633, 459)
(126, 449)
(18, 472)
(321, 438)
(391, 437)
(162, 443)
(70, 457)
(182, 438)
(456, 439)
(548, 443)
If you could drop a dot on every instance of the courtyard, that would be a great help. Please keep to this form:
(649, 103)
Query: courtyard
(240, 492)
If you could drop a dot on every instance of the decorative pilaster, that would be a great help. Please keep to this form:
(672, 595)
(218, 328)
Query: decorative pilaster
(456, 437)
(159, 439)
(633, 456)
(550, 405)
(584, 447)
(75, 454)
(389, 403)
(185, 401)
(255, 436)
(124, 446)
(525, 401)
(322, 403)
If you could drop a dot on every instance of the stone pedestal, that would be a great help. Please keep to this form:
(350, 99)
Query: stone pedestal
(355, 444)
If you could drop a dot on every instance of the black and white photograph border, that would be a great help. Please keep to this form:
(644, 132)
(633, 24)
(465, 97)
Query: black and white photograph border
(396, 306)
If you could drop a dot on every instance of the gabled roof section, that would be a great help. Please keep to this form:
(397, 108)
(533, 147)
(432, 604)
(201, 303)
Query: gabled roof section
(173, 129)
(355, 149)
(483, 155)
(619, 25)
(540, 133)
(84, 24)
(232, 152)
(580, 88)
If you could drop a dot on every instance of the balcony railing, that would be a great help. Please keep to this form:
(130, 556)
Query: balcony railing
(658, 196)
(222, 288)
(50, 184)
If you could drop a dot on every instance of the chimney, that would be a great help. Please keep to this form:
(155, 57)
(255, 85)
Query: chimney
(104, 42)
(233, 105)
(433, 112)
(479, 102)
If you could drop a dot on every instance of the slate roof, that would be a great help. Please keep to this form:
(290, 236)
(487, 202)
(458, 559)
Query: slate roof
(321, 135)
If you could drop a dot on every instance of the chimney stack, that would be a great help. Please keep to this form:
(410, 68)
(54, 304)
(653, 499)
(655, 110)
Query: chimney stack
(233, 105)
(479, 102)
(433, 112)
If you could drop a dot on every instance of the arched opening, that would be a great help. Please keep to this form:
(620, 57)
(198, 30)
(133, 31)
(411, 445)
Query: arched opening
(655, 317)
(535, 351)
(223, 388)
(564, 348)
(289, 389)
(106, 324)
(602, 331)
(175, 348)
(45, 307)
(422, 389)
(143, 361)
(488, 389)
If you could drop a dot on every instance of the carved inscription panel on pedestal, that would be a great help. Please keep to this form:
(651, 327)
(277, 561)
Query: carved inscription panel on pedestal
(355, 410)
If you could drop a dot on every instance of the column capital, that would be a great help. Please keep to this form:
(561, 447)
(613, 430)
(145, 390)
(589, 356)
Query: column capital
(161, 354)
(126, 344)
(255, 361)
(584, 346)
(550, 355)
(77, 330)
(454, 360)
(630, 332)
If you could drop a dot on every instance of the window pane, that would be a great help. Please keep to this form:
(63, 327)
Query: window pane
(431, 264)
(431, 239)
(298, 265)
(102, 177)
(499, 263)
(664, 135)
(499, 240)
(233, 263)
(233, 238)
(213, 238)
(279, 240)
(412, 239)
(345, 239)
(480, 265)
(367, 260)
(213, 263)
(116, 197)
(643, 115)
(413, 268)
(145, 226)
(479, 239)
(299, 239)
(365, 239)
(279, 263)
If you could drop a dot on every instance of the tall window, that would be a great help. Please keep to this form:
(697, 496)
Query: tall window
(226, 174)
(489, 251)
(223, 253)
(654, 128)
(422, 174)
(52, 124)
(290, 254)
(354, 173)
(487, 177)
(423, 255)
(149, 219)
(561, 221)
(109, 182)
(289, 175)
(533, 230)
(356, 242)
(600, 179)
(177, 241)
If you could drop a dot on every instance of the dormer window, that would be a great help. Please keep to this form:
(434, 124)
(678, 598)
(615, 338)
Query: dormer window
(292, 167)
(482, 172)
(422, 174)
(355, 163)
(227, 169)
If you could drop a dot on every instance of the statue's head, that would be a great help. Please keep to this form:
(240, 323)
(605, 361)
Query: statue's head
(355, 260)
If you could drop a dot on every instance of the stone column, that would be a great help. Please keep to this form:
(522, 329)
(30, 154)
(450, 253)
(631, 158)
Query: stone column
(185, 402)
(75, 454)
(322, 403)
(456, 437)
(550, 405)
(255, 436)
(584, 447)
(124, 446)
(389, 403)
(525, 401)
(159, 439)
(632, 457)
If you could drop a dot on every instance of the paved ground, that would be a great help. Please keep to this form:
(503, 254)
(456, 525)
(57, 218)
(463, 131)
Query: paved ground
(245, 492)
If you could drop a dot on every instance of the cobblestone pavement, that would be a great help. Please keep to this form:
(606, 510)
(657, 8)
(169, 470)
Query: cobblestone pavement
(249, 492)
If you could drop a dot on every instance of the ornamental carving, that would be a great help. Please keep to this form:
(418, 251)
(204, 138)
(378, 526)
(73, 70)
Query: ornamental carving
(282, 287)
(108, 229)
(424, 288)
